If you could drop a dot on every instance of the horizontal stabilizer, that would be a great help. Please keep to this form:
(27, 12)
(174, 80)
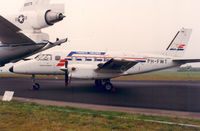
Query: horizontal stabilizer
(33, 4)
(52, 44)
(184, 61)
(117, 65)
(58, 8)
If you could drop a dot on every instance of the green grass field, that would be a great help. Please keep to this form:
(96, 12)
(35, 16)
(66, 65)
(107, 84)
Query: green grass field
(17, 116)
(171, 76)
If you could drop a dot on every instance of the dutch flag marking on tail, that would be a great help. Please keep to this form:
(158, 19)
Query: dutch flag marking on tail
(178, 45)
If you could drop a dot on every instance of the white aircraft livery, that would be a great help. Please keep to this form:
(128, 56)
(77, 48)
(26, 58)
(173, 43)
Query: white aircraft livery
(103, 66)
(20, 33)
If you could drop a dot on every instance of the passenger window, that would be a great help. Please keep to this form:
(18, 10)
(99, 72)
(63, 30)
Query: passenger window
(57, 58)
(99, 59)
(162, 61)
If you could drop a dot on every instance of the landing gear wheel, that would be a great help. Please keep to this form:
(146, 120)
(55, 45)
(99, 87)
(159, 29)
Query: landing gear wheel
(108, 86)
(36, 86)
(105, 84)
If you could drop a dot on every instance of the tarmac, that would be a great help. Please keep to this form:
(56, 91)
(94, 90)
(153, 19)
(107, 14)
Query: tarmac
(163, 98)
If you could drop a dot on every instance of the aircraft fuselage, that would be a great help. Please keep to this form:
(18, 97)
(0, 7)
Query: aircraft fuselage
(85, 67)
(9, 53)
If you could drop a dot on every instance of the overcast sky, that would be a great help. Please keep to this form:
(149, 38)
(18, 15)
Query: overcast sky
(123, 25)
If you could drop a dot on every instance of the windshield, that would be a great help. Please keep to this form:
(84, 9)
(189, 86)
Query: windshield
(44, 57)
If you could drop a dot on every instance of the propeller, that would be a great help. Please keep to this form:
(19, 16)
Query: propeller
(66, 74)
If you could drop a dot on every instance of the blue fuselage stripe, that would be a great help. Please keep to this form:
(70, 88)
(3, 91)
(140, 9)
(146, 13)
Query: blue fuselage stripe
(85, 53)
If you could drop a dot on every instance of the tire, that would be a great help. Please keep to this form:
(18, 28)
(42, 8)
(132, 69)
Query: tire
(108, 86)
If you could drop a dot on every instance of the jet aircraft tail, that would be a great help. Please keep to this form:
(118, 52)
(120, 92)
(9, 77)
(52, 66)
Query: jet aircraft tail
(33, 4)
(38, 14)
(34, 16)
(179, 44)
(30, 5)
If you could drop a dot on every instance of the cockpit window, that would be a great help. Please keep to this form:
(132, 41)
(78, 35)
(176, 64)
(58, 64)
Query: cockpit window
(44, 57)
(57, 58)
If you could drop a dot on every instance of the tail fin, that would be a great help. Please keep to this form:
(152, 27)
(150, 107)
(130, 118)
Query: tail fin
(33, 4)
(41, 4)
(179, 43)
(39, 14)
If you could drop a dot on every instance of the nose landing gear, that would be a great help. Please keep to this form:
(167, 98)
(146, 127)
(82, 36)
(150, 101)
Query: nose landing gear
(36, 86)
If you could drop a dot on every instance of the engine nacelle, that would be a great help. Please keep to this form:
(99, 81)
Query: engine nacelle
(53, 17)
(42, 19)
(37, 14)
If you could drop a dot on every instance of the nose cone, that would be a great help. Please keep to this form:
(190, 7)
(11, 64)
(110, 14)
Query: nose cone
(11, 69)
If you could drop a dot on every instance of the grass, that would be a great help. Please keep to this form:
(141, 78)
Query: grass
(170, 76)
(19, 116)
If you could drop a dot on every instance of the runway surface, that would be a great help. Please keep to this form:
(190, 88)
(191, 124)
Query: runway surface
(168, 95)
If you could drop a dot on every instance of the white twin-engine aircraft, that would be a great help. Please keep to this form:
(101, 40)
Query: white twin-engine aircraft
(20, 33)
(101, 66)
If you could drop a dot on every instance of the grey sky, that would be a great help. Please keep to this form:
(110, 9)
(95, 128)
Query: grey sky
(125, 25)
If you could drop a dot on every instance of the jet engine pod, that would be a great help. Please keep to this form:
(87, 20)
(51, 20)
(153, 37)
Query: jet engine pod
(53, 17)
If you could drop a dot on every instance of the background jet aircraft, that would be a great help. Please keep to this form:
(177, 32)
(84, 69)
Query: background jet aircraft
(103, 66)
(20, 33)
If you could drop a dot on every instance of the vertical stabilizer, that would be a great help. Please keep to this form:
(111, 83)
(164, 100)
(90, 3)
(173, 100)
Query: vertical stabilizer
(33, 4)
(39, 14)
(36, 15)
(179, 44)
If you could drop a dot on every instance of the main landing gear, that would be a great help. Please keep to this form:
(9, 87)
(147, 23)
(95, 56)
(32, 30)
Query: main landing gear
(105, 84)
(36, 86)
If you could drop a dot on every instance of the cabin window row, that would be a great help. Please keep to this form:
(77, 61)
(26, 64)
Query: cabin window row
(74, 58)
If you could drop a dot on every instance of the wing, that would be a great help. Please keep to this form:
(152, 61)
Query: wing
(116, 65)
(184, 61)
(48, 46)
(10, 34)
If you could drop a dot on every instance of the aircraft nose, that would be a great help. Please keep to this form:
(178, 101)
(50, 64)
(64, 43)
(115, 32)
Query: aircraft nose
(11, 69)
